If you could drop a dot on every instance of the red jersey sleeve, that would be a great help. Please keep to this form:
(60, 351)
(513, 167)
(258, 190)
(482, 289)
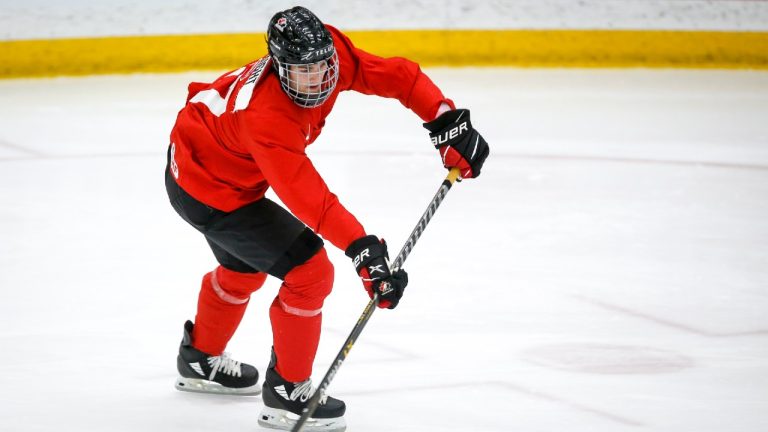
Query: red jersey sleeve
(278, 148)
(393, 77)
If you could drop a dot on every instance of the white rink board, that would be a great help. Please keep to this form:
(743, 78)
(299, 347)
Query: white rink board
(49, 19)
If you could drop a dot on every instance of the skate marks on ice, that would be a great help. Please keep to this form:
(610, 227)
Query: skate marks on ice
(607, 358)
(485, 387)
(11, 151)
(393, 353)
(636, 160)
(505, 154)
(667, 322)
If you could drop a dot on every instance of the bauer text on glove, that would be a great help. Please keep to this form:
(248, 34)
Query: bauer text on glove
(459, 144)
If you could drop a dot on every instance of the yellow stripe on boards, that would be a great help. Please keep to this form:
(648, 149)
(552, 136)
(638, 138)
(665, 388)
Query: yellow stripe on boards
(574, 48)
(526, 48)
(88, 56)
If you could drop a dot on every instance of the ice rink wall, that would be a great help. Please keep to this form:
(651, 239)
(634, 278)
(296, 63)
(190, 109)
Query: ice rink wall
(80, 37)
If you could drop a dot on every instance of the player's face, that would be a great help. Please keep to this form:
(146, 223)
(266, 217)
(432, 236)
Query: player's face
(309, 85)
(307, 79)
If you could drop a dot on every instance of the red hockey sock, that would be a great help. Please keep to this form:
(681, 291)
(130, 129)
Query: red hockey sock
(295, 341)
(296, 316)
(224, 295)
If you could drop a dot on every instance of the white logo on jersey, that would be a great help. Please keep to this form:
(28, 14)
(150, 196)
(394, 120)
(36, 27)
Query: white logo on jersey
(245, 93)
(218, 105)
(174, 166)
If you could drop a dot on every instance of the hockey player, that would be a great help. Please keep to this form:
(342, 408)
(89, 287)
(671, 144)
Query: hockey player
(247, 131)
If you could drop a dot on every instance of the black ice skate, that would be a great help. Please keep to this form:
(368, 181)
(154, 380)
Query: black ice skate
(205, 373)
(285, 400)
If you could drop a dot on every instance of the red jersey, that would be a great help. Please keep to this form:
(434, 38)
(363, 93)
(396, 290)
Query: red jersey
(242, 134)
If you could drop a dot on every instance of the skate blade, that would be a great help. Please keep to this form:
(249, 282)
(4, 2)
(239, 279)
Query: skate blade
(205, 386)
(275, 418)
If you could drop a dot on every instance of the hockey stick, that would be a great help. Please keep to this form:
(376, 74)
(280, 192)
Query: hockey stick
(453, 174)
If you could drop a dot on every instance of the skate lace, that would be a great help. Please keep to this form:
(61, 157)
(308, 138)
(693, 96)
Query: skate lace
(225, 364)
(303, 391)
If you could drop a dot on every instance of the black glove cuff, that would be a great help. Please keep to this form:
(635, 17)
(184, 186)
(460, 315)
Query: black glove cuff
(359, 244)
(366, 250)
(445, 119)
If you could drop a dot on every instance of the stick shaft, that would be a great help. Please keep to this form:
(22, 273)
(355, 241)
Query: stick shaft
(425, 218)
(371, 306)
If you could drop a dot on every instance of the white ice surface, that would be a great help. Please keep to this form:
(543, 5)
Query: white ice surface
(608, 272)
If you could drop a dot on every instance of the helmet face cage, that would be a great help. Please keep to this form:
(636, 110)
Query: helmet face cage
(309, 84)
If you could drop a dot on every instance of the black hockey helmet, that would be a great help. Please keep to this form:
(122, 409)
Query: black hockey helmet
(303, 55)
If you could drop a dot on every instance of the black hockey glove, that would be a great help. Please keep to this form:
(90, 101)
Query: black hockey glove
(369, 255)
(460, 145)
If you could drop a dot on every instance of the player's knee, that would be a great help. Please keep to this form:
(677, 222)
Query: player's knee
(235, 287)
(307, 285)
